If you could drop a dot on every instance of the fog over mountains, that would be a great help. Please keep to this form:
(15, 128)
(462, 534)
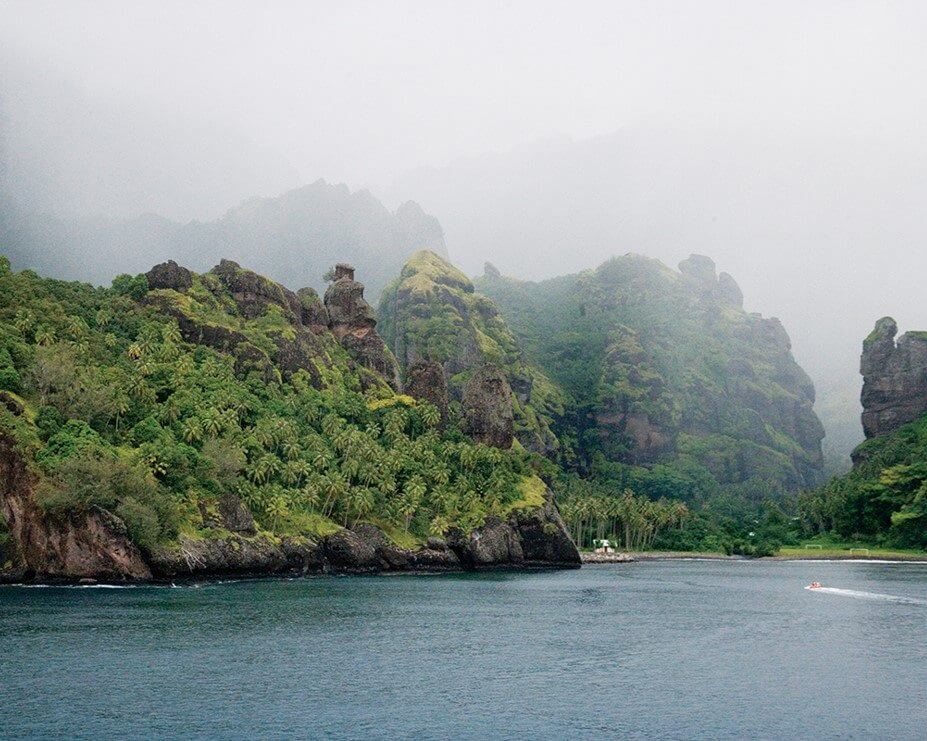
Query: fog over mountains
(785, 142)
(793, 217)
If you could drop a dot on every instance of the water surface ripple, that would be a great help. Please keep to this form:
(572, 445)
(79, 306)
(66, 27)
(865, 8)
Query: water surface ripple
(669, 649)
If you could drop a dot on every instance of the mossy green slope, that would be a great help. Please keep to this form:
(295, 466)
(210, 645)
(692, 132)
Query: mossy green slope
(668, 377)
(432, 313)
(883, 500)
(167, 405)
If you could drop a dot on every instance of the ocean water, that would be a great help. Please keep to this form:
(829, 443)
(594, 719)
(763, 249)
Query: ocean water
(672, 649)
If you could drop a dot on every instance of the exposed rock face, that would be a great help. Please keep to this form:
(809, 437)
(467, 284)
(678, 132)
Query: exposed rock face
(236, 555)
(535, 537)
(487, 402)
(529, 537)
(253, 293)
(432, 315)
(15, 407)
(353, 322)
(229, 513)
(89, 544)
(169, 275)
(425, 380)
(700, 270)
(672, 371)
(314, 313)
(894, 378)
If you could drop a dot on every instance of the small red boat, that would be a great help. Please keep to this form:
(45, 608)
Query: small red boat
(814, 585)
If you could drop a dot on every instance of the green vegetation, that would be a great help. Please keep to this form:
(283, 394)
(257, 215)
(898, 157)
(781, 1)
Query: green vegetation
(883, 500)
(596, 509)
(826, 546)
(671, 388)
(431, 312)
(667, 420)
(120, 411)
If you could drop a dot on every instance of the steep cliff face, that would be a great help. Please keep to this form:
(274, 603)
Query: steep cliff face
(666, 367)
(894, 378)
(90, 543)
(431, 314)
(882, 497)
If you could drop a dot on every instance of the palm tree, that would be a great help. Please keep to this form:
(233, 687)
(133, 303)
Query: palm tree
(431, 417)
(277, 510)
(264, 469)
(44, 335)
(192, 430)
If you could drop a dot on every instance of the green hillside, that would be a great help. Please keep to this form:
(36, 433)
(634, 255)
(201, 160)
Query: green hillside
(432, 313)
(673, 389)
(174, 406)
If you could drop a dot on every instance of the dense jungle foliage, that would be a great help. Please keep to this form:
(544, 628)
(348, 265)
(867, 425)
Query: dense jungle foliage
(115, 409)
(673, 389)
(883, 500)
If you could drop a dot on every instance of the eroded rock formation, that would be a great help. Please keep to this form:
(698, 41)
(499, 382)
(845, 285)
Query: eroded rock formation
(487, 402)
(353, 322)
(432, 316)
(425, 380)
(894, 378)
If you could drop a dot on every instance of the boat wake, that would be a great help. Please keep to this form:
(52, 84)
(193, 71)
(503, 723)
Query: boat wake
(869, 595)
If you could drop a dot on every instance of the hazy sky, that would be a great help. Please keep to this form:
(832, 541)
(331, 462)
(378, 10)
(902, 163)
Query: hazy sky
(785, 139)
(358, 91)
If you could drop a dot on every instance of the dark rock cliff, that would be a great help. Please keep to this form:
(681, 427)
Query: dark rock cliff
(92, 543)
(894, 378)
(309, 328)
(487, 400)
(353, 322)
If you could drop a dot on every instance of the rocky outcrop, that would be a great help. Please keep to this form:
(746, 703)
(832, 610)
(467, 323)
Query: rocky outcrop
(353, 322)
(431, 316)
(699, 270)
(228, 513)
(169, 275)
(529, 537)
(91, 543)
(425, 380)
(253, 293)
(894, 378)
(302, 335)
(487, 401)
(236, 554)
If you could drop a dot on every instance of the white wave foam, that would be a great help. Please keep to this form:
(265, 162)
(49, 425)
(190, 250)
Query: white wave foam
(869, 595)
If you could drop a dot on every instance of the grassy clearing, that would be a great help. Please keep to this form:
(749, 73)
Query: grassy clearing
(823, 547)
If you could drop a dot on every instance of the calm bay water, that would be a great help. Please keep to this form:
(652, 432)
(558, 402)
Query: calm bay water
(673, 649)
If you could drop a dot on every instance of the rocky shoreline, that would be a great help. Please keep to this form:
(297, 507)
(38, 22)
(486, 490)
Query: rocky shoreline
(93, 544)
